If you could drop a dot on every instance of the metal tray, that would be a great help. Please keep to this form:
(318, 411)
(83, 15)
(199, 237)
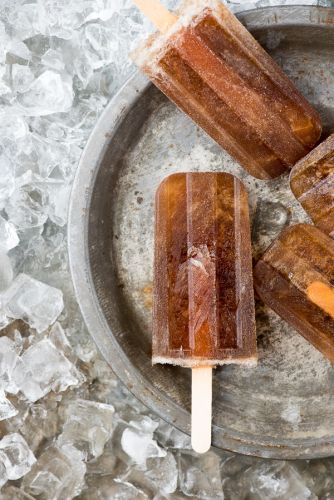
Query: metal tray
(284, 408)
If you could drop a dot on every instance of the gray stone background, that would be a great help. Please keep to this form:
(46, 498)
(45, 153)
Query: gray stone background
(67, 426)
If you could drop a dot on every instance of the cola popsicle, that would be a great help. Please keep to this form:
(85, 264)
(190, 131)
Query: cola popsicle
(295, 278)
(215, 71)
(203, 288)
(312, 182)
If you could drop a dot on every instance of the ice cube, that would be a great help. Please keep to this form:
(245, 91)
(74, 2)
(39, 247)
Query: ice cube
(318, 476)
(11, 493)
(12, 125)
(57, 475)
(4, 86)
(6, 271)
(26, 21)
(105, 487)
(4, 320)
(102, 43)
(22, 77)
(8, 236)
(160, 476)
(36, 303)
(3, 471)
(88, 426)
(200, 475)
(19, 457)
(137, 441)
(277, 480)
(27, 207)
(19, 50)
(59, 197)
(7, 410)
(163, 473)
(48, 369)
(4, 41)
(50, 93)
(37, 423)
(58, 337)
(53, 59)
(170, 437)
(7, 178)
(12, 371)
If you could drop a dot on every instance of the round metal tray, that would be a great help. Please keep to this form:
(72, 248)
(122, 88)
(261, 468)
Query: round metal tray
(283, 408)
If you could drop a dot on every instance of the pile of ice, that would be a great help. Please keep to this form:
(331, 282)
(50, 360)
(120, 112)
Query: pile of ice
(68, 428)
(16, 459)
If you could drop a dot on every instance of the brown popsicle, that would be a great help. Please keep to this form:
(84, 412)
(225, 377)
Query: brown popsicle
(312, 182)
(203, 302)
(203, 293)
(295, 277)
(216, 72)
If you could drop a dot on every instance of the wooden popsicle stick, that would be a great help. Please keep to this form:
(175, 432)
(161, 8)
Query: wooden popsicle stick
(161, 17)
(201, 408)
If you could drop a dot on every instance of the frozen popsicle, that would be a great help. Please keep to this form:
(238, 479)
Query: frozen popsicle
(295, 277)
(203, 288)
(213, 69)
(312, 182)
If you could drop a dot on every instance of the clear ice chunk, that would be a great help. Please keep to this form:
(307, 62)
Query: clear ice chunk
(4, 320)
(138, 443)
(12, 370)
(200, 475)
(7, 409)
(28, 204)
(19, 50)
(277, 480)
(11, 493)
(7, 178)
(53, 59)
(6, 272)
(4, 87)
(36, 303)
(48, 369)
(115, 489)
(170, 437)
(58, 337)
(26, 20)
(22, 77)
(59, 197)
(88, 426)
(13, 126)
(57, 475)
(19, 457)
(50, 93)
(3, 471)
(8, 236)
(163, 473)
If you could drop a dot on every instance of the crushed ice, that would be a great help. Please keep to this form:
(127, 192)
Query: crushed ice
(68, 427)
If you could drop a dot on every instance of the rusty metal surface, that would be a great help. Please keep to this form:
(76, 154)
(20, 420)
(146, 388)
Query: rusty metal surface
(284, 407)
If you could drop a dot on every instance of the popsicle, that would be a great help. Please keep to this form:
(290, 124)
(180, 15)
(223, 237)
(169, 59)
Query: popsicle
(295, 277)
(212, 68)
(312, 182)
(203, 311)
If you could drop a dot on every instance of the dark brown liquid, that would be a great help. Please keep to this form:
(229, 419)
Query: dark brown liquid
(203, 297)
(219, 75)
(312, 182)
(300, 258)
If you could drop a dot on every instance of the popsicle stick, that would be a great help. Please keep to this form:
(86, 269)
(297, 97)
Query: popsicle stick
(201, 408)
(161, 17)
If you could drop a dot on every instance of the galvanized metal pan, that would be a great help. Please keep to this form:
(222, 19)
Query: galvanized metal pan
(284, 408)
